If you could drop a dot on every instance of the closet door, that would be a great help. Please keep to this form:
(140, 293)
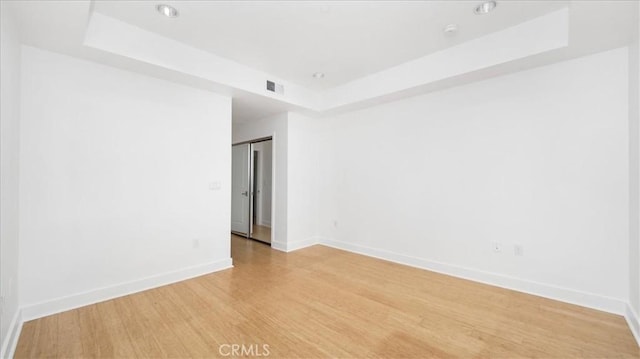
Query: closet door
(240, 198)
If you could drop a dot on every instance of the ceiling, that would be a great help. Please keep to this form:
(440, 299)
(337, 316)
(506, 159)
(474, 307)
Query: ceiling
(345, 40)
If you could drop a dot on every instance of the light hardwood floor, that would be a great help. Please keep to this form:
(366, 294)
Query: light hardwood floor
(320, 302)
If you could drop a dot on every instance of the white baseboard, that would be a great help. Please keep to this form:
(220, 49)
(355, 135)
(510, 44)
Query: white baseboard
(58, 305)
(294, 246)
(281, 246)
(634, 322)
(10, 343)
(590, 300)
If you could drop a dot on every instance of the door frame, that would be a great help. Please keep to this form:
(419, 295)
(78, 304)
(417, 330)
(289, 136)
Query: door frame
(249, 235)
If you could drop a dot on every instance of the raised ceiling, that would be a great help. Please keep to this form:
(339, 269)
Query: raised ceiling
(371, 51)
(345, 40)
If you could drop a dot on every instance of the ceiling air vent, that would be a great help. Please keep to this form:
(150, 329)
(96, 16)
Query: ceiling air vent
(274, 87)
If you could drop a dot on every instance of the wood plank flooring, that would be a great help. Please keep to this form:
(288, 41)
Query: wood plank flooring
(320, 302)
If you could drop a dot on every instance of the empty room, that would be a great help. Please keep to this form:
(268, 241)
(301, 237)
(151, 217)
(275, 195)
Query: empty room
(320, 179)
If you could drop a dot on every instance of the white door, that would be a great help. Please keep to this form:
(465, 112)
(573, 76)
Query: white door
(240, 199)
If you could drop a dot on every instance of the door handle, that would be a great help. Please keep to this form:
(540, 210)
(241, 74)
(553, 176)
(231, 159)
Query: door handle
(245, 193)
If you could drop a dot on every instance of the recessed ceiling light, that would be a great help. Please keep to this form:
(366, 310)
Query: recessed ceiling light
(318, 75)
(166, 10)
(485, 8)
(450, 29)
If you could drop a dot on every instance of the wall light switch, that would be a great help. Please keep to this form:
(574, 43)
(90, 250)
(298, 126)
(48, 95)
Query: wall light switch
(215, 185)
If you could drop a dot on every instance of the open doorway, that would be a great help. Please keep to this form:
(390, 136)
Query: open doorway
(251, 189)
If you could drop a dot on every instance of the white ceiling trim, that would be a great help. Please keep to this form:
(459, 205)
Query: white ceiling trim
(543, 34)
(112, 35)
(63, 27)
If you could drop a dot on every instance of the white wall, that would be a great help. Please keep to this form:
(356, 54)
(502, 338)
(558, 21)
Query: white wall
(634, 180)
(9, 180)
(636, 102)
(303, 180)
(538, 158)
(115, 176)
(275, 127)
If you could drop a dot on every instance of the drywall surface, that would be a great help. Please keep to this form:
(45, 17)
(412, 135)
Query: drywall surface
(536, 159)
(118, 181)
(634, 172)
(636, 102)
(9, 175)
(303, 180)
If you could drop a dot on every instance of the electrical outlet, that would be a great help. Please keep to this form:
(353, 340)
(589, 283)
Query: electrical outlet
(496, 246)
(518, 250)
(195, 243)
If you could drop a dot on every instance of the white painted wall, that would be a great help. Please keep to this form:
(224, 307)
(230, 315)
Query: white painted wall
(115, 173)
(636, 102)
(634, 179)
(303, 181)
(275, 127)
(9, 179)
(537, 158)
